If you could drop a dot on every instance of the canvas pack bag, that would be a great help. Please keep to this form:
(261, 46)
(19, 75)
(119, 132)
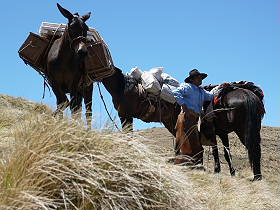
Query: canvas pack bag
(150, 83)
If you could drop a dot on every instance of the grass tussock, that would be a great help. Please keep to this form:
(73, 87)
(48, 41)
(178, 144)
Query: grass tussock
(58, 164)
(47, 163)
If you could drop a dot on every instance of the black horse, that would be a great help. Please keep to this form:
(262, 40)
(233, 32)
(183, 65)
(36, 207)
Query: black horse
(239, 110)
(65, 65)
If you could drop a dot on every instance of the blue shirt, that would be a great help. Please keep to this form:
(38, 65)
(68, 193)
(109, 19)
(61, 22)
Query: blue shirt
(192, 96)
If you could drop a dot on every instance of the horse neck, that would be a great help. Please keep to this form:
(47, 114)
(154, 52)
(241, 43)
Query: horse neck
(114, 84)
(65, 41)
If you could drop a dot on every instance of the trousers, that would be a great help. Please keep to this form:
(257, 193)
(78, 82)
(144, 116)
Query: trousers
(187, 138)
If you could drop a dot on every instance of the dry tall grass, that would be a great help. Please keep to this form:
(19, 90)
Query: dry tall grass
(47, 163)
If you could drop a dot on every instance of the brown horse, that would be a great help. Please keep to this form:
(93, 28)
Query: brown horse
(65, 65)
(131, 101)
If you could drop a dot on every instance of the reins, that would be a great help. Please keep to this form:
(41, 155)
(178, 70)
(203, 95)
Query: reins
(102, 98)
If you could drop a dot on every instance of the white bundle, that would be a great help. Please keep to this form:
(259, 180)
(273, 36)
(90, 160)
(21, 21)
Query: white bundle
(156, 72)
(150, 83)
(136, 73)
(167, 79)
(166, 93)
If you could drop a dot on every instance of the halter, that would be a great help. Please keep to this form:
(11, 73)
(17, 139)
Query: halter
(79, 38)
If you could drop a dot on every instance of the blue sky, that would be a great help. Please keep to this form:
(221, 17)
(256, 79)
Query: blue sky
(229, 40)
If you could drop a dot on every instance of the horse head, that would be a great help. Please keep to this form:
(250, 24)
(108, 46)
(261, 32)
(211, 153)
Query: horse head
(76, 30)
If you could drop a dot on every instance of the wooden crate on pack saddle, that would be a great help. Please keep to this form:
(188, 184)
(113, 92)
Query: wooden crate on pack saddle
(98, 62)
(33, 51)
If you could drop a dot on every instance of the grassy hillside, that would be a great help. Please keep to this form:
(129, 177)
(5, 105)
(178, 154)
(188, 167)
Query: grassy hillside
(270, 161)
(47, 163)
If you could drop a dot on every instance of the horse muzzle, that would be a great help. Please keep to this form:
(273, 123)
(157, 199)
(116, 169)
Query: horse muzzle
(79, 46)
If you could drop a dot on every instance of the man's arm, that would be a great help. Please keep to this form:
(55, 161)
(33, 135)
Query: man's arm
(208, 96)
(180, 93)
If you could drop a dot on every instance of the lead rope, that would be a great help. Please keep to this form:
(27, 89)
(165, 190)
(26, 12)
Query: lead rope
(101, 96)
(45, 85)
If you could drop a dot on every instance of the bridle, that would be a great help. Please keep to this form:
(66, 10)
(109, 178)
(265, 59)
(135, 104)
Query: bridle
(75, 40)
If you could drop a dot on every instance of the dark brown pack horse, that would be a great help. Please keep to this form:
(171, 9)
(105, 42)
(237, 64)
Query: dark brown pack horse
(131, 101)
(65, 66)
(241, 111)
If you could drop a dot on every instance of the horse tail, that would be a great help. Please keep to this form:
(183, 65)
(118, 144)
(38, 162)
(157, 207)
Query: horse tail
(255, 112)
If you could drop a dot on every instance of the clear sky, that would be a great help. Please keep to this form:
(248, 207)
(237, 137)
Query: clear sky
(229, 40)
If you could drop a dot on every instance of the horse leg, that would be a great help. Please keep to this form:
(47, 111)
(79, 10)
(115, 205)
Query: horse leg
(254, 153)
(88, 103)
(215, 153)
(127, 124)
(76, 105)
(257, 163)
(61, 101)
(227, 154)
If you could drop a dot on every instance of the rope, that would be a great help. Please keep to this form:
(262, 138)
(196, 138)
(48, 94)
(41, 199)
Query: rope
(101, 96)
(45, 84)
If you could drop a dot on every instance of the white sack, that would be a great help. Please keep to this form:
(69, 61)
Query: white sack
(157, 71)
(167, 79)
(150, 83)
(136, 73)
(166, 93)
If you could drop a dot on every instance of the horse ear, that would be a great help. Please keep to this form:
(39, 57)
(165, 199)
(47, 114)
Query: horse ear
(86, 17)
(65, 12)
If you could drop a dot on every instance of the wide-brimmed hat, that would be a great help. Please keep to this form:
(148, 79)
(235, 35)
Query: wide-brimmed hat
(193, 73)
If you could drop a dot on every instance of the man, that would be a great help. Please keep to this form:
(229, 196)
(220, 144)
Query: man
(190, 96)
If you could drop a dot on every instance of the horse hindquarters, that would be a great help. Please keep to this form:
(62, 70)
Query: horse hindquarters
(249, 133)
(252, 136)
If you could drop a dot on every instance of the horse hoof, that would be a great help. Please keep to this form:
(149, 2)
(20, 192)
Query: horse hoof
(232, 172)
(171, 160)
(257, 178)
(217, 170)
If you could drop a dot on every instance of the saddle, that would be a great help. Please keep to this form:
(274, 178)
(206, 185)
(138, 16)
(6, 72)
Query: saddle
(220, 91)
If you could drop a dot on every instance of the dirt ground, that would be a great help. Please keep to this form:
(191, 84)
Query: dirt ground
(162, 141)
